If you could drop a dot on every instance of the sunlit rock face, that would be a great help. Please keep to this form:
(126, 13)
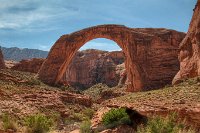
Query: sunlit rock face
(189, 55)
(29, 65)
(90, 67)
(150, 54)
(2, 63)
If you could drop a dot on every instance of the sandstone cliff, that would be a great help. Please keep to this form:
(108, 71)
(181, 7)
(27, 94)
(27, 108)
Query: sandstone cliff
(189, 56)
(31, 65)
(90, 67)
(151, 54)
(2, 63)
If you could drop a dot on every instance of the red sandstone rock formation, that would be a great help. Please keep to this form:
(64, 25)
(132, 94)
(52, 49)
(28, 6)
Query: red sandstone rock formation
(151, 54)
(30, 65)
(2, 63)
(90, 67)
(189, 56)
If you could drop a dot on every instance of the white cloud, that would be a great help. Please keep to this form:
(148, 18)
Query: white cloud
(29, 15)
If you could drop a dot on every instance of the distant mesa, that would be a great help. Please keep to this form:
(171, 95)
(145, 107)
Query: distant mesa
(17, 54)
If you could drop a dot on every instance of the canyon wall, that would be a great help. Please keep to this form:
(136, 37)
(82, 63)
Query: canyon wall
(189, 55)
(90, 67)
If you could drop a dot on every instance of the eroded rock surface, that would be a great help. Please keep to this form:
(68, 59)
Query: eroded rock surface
(31, 65)
(151, 54)
(189, 56)
(90, 67)
(2, 63)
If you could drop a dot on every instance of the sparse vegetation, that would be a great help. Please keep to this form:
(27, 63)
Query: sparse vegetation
(115, 117)
(164, 125)
(9, 123)
(85, 127)
(13, 88)
(96, 90)
(88, 112)
(34, 81)
(38, 123)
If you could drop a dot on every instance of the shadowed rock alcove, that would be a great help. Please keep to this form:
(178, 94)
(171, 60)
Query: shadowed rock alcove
(150, 54)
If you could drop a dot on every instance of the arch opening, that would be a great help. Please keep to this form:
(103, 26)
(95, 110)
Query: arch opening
(99, 60)
(67, 45)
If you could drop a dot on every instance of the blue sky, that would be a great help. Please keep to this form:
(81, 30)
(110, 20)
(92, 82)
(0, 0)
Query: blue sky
(39, 23)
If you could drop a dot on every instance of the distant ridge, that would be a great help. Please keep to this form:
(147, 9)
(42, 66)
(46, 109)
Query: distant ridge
(18, 54)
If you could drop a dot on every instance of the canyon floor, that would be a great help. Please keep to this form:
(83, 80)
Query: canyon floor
(22, 95)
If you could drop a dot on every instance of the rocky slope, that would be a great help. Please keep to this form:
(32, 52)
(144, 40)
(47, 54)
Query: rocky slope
(18, 54)
(2, 63)
(183, 99)
(189, 56)
(21, 95)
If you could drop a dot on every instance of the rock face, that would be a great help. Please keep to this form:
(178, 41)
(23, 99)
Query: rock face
(151, 54)
(2, 63)
(90, 67)
(189, 55)
(31, 65)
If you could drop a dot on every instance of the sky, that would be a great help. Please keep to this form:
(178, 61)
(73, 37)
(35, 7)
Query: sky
(38, 24)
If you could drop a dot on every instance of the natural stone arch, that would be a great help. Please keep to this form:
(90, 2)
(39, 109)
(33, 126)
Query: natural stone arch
(128, 39)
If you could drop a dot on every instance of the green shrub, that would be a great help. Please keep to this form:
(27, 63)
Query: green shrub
(164, 125)
(38, 123)
(34, 81)
(8, 123)
(115, 117)
(85, 127)
(88, 112)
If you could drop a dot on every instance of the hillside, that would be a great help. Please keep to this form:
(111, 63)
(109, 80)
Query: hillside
(18, 54)
(183, 99)
(23, 96)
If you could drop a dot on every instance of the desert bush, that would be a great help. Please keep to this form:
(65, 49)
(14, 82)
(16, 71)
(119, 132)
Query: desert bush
(88, 112)
(115, 117)
(38, 123)
(8, 123)
(159, 124)
(34, 81)
(85, 127)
